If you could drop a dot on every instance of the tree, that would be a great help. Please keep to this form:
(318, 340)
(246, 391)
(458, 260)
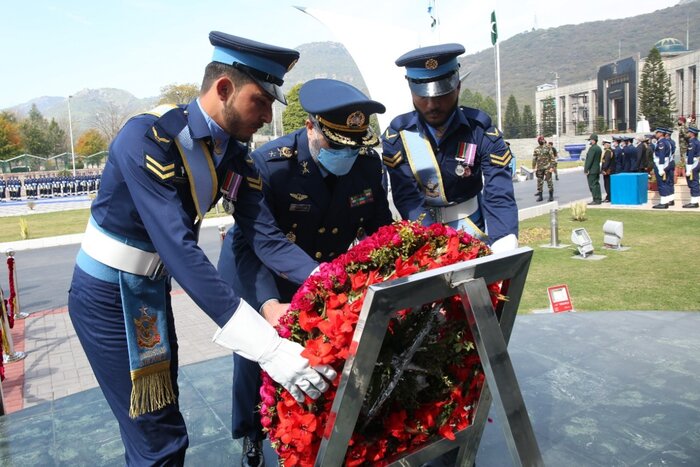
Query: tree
(477, 101)
(294, 115)
(109, 120)
(656, 99)
(528, 125)
(512, 124)
(178, 93)
(490, 107)
(34, 130)
(548, 124)
(90, 143)
(56, 137)
(10, 137)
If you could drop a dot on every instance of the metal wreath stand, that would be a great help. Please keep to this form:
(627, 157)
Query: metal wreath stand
(491, 333)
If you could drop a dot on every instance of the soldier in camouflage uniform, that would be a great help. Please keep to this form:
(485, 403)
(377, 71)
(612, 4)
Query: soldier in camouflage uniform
(682, 138)
(543, 162)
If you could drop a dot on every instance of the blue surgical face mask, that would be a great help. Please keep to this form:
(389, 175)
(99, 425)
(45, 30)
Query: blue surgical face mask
(338, 161)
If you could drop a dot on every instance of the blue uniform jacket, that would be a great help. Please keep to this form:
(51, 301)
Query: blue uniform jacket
(323, 222)
(630, 158)
(153, 203)
(693, 150)
(492, 163)
(664, 150)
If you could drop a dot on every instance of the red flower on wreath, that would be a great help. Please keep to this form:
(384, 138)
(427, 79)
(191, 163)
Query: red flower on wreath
(434, 396)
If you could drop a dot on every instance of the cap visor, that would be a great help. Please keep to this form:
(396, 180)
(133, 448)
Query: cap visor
(435, 88)
(272, 89)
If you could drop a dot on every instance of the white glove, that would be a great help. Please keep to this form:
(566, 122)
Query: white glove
(507, 243)
(250, 336)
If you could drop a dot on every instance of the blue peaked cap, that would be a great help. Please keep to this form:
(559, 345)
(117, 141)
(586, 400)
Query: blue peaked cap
(432, 71)
(341, 110)
(266, 64)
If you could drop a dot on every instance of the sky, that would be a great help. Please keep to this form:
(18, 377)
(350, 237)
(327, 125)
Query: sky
(57, 48)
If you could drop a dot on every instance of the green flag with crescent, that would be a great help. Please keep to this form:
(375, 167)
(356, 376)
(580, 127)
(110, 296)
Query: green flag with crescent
(494, 29)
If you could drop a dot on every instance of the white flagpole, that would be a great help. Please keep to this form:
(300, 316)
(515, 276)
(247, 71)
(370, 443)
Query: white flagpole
(498, 85)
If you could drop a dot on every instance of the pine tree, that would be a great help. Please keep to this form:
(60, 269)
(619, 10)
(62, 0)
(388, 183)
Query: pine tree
(528, 125)
(512, 123)
(549, 117)
(656, 99)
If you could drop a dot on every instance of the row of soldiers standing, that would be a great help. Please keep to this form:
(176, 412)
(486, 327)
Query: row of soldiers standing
(48, 187)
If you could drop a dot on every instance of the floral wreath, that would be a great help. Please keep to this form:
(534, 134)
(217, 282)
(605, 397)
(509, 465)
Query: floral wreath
(428, 375)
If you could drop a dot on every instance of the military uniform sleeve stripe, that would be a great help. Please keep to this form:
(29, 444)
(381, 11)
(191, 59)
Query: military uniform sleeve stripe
(392, 161)
(163, 168)
(254, 183)
(159, 173)
(501, 160)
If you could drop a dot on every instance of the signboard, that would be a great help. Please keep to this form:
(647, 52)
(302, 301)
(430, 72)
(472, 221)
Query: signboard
(559, 298)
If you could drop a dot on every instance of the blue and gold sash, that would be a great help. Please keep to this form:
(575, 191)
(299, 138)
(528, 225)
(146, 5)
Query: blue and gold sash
(426, 171)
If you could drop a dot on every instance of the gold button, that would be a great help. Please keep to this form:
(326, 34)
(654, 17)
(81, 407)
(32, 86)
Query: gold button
(335, 230)
(322, 230)
(294, 226)
(331, 254)
(318, 255)
(362, 219)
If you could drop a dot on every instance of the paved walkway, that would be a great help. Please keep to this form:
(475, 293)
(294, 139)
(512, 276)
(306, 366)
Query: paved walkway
(56, 366)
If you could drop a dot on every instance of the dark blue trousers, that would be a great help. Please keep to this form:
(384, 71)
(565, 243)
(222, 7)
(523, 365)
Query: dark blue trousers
(245, 413)
(157, 438)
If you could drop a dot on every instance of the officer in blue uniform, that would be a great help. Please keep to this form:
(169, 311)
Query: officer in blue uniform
(164, 172)
(692, 168)
(630, 160)
(618, 148)
(446, 162)
(324, 186)
(664, 166)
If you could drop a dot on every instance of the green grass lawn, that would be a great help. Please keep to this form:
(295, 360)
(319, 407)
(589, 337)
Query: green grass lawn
(658, 272)
(51, 224)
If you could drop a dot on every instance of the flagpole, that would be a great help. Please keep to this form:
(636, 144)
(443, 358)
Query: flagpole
(494, 42)
(498, 85)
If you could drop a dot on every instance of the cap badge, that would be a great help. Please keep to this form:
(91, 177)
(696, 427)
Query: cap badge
(431, 64)
(355, 119)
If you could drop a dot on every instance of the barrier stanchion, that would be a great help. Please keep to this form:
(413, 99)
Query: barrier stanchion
(13, 300)
(8, 347)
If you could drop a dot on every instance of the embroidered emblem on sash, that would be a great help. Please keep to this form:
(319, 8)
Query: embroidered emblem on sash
(363, 198)
(147, 334)
(432, 188)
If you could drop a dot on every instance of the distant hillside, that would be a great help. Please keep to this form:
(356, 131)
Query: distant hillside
(528, 59)
(575, 51)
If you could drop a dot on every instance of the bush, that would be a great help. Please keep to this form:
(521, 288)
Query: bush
(578, 211)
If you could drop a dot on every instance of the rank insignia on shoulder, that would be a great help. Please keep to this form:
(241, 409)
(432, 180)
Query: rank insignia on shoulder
(493, 131)
(503, 160)
(159, 138)
(389, 135)
(298, 196)
(305, 167)
(254, 183)
(393, 161)
(285, 152)
(231, 184)
(163, 172)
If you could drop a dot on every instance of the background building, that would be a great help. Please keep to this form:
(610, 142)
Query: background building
(612, 98)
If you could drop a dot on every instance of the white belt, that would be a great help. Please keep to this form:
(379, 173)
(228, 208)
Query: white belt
(118, 255)
(458, 211)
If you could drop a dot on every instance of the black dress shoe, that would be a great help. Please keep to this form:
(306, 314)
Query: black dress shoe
(606, 200)
(252, 453)
(692, 205)
(671, 203)
(660, 206)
